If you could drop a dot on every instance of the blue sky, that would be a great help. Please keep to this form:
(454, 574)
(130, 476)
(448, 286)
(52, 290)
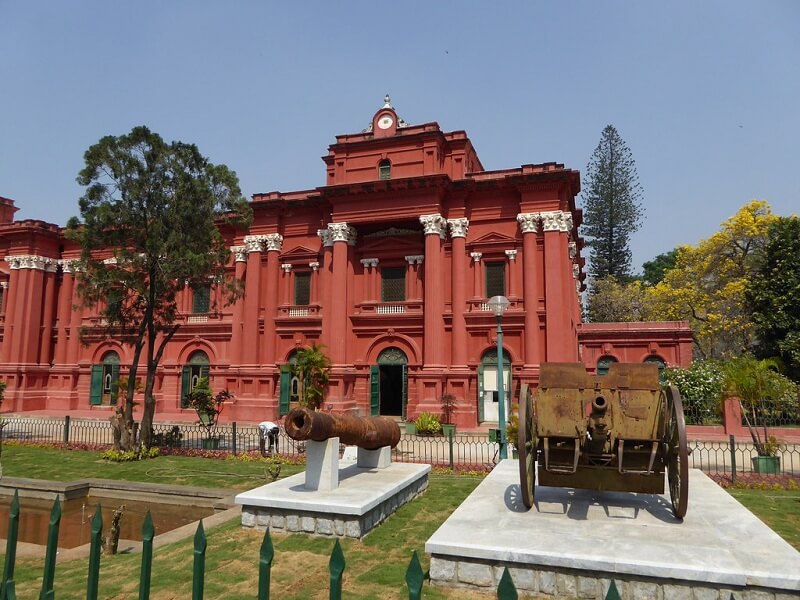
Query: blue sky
(706, 94)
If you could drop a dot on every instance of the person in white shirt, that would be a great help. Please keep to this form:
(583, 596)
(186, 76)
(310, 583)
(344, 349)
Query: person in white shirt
(268, 431)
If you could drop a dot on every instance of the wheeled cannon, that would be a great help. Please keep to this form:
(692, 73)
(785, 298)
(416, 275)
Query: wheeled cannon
(616, 432)
(370, 433)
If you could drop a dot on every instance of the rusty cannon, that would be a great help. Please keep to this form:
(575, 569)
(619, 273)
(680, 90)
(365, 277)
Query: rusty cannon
(615, 432)
(370, 433)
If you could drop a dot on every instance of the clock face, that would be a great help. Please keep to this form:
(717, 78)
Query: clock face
(385, 122)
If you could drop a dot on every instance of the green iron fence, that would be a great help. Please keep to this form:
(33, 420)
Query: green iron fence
(414, 577)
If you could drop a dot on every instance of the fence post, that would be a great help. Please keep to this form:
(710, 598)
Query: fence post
(148, 531)
(7, 591)
(414, 578)
(613, 593)
(66, 429)
(336, 568)
(199, 571)
(450, 442)
(94, 555)
(234, 437)
(50, 555)
(265, 557)
(506, 590)
(733, 459)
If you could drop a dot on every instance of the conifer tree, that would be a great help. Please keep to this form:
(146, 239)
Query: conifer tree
(612, 209)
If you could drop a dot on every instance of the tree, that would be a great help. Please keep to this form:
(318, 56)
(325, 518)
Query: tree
(151, 222)
(313, 368)
(772, 295)
(612, 206)
(612, 301)
(654, 270)
(707, 285)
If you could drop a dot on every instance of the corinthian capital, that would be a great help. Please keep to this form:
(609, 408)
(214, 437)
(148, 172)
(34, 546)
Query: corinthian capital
(528, 222)
(557, 220)
(273, 242)
(239, 253)
(342, 232)
(254, 243)
(458, 227)
(434, 224)
(573, 250)
(325, 236)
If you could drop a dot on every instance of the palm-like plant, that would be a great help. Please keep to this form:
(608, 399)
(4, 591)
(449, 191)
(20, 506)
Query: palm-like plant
(313, 368)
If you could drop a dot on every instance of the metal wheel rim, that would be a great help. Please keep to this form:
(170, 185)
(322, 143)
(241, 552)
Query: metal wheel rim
(677, 454)
(526, 448)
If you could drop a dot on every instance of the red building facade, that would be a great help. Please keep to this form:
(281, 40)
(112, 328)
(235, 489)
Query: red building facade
(389, 265)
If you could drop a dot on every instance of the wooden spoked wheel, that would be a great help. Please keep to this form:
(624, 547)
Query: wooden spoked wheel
(676, 453)
(526, 448)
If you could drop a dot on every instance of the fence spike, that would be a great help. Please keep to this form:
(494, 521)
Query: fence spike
(506, 590)
(48, 577)
(613, 593)
(7, 591)
(414, 578)
(93, 577)
(148, 533)
(337, 565)
(265, 556)
(199, 571)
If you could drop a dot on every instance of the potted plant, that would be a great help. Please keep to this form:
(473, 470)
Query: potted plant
(448, 408)
(208, 407)
(427, 424)
(761, 391)
(411, 427)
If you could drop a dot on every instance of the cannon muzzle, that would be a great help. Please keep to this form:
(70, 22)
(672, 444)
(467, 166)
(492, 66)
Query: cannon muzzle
(370, 433)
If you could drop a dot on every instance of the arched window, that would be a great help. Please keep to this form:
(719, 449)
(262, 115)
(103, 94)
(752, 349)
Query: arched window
(660, 363)
(193, 372)
(604, 363)
(385, 169)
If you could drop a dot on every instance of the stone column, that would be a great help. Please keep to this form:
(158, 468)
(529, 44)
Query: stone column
(75, 321)
(12, 302)
(412, 276)
(557, 226)
(477, 285)
(342, 235)
(434, 227)
(249, 351)
(45, 348)
(529, 225)
(458, 233)
(325, 281)
(273, 243)
(371, 280)
(513, 286)
(237, 314)
(314, 283)
(287, 283)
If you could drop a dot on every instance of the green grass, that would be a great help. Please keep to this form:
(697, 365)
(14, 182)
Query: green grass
(780, 509)
(68, 465)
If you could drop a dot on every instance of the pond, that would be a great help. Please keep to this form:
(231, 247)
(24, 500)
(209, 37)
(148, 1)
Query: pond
(76, 518)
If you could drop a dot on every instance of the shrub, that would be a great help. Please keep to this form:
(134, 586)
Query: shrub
(141, 453)
(428, 423)
(700, 387)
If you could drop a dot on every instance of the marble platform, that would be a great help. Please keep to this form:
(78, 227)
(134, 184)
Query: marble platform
(364, 498)
(572, 543)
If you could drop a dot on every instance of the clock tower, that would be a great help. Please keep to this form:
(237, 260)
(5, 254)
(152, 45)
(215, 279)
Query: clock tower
(385, 121)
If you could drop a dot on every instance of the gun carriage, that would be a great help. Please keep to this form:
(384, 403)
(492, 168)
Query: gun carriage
(617, 432)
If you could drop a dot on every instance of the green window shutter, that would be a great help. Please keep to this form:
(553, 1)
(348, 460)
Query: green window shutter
(495, 279)
(285, 385)
(302, 289)
(480, 393)
(114, 383)
(96, 389)
(186, 383)
(374, 390)
(201, 299)
(405, 391)
(204, 370)
(393, 284)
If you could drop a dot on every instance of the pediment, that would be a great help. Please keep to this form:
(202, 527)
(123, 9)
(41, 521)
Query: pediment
(400, 246)
(299, 253)
(493, 238)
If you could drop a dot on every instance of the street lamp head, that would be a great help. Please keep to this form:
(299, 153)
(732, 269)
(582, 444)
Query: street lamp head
(498, 305)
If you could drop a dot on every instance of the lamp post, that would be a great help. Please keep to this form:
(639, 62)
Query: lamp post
(498, 305)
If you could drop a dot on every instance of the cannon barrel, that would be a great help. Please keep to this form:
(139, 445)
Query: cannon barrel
(370, 433)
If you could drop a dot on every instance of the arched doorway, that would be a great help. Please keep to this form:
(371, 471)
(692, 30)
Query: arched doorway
(197, 368)
(603, 363)
(104, 387)
(660, 363)
(289, 385)
(389, 384)
(488, 400)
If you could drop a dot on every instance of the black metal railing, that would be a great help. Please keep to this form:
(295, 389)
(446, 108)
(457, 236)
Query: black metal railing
(462, 451)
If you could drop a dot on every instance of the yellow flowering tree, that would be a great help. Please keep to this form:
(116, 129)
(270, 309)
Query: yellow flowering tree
(707, 284)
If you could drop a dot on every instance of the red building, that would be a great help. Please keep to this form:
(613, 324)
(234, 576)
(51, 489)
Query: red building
(389, 265)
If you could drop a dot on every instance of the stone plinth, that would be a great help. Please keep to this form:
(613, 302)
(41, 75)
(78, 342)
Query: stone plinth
(574, 542)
